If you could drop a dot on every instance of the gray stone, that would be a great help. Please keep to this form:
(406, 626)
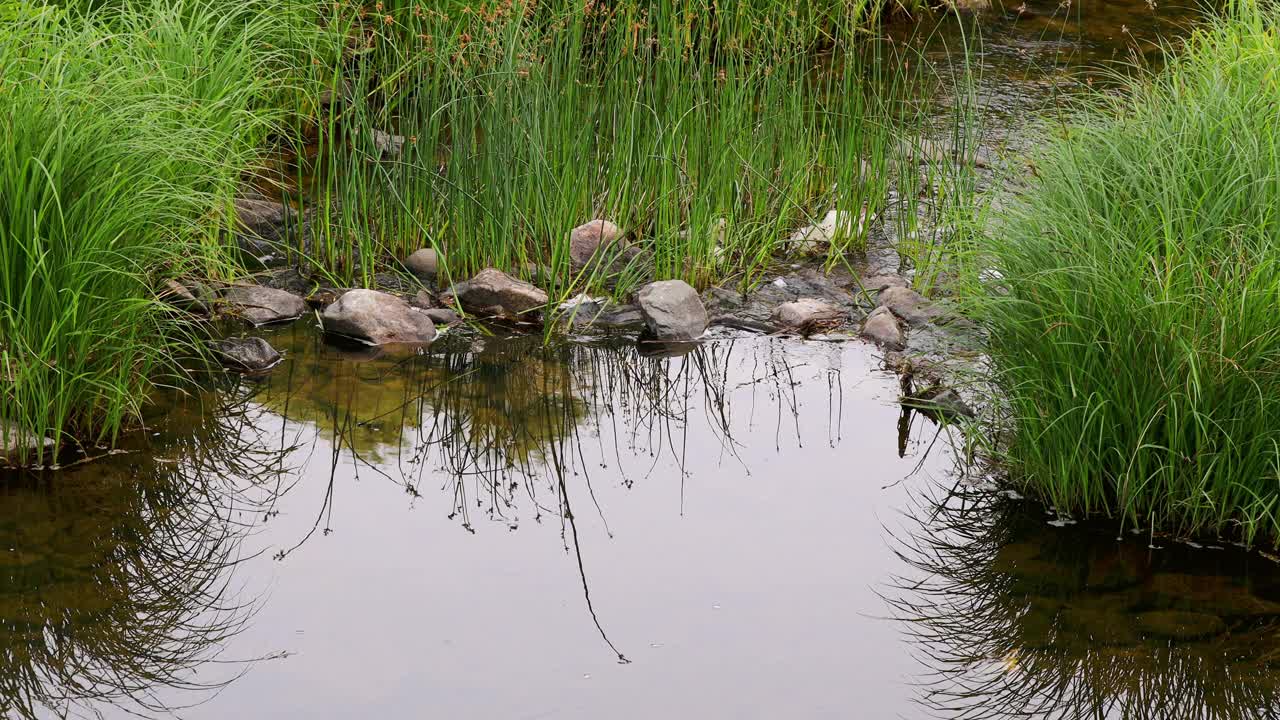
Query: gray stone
(672, 310)
(263, 306)
(883, 328)
(424, 300)
(323, 297)
(376, 318)
(731, 307)
(261, 224)
(940, 403)
(424, 263)
(602, 314)
(442, 316)
(388, 146)
(907, 304)
(808, 315)
(493, 293)
(876, 283)
(15, 443)
(247, 354)
(180, 296)
(588, 239)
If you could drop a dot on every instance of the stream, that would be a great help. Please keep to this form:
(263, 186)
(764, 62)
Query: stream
(500, 527)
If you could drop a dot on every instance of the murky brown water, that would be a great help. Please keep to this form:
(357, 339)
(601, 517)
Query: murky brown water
(503, 529)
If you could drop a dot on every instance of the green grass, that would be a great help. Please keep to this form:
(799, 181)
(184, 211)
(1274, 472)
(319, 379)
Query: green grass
(123, 132)
(673, 119)
(1134, 328)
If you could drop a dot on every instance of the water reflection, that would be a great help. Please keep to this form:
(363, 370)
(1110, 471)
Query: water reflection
(115, 577)
(1014, 618)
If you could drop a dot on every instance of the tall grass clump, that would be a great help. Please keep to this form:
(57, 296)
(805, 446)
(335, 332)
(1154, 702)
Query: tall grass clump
(709, 132)
(121, 133)
(1133, 320)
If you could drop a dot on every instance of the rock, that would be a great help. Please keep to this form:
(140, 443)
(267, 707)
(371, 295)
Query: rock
(424, 300)
(588, 239)
(1180, 624)
(442, 316)
(493, 293)
(837, 224)
(263, 306)
(882, 328)
(1221, 595)
(940, 402)
(181, 297)
(388, 146)
(376, 318)
(726, 306)
(672, 310)
(16, 443)
(808, 315)
(876, 283)
(424, 263)
(601, 314)
(261, 224)
(907, 304)
(323, 297)
(247, 354)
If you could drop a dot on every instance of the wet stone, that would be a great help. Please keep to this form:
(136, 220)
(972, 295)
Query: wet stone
(376, 318)
(883, 329)
(808, 315)
(261, 224)
(15, 441)
(1208, 593)
(442, 316)
(759, 304)
(387, 145)
(424, 300)
(940, 402)
(493, 293)
(907, 304)
(252, 354)
(264, 306)
(672, 310)
(323, 297)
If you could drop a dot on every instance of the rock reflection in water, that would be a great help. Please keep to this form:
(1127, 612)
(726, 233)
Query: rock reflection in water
(1016, 619)
(506, 418)
(115, 576)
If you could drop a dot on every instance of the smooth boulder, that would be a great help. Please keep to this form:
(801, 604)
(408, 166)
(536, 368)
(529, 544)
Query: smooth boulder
(907, 304)
(251, 354)
(376, 318)
(588, 239)
(424, 263)
(493, 293)
(882, 328)
(264, 305)
(672, 310)
(807, 315)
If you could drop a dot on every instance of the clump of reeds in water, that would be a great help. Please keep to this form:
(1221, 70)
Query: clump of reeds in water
(709, 132)
(1133, 323)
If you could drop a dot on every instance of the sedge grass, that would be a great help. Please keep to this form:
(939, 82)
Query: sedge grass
(1133, 326)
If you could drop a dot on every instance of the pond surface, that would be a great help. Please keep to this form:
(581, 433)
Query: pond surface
(499, 528)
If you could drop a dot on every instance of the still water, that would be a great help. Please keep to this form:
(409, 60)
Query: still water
(503, 529)
(500, 528)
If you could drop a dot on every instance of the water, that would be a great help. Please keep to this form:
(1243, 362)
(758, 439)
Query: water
(504, 529)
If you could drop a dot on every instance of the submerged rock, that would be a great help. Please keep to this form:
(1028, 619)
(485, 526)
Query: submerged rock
(732, 307)
(424, 263)
(601, 314)
(493, 293)
(376, 318)
(883, 329)
(588, 239)
(263, 305)
(907, 304)
(1180, 624)
(252, 354)
(808, 315)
